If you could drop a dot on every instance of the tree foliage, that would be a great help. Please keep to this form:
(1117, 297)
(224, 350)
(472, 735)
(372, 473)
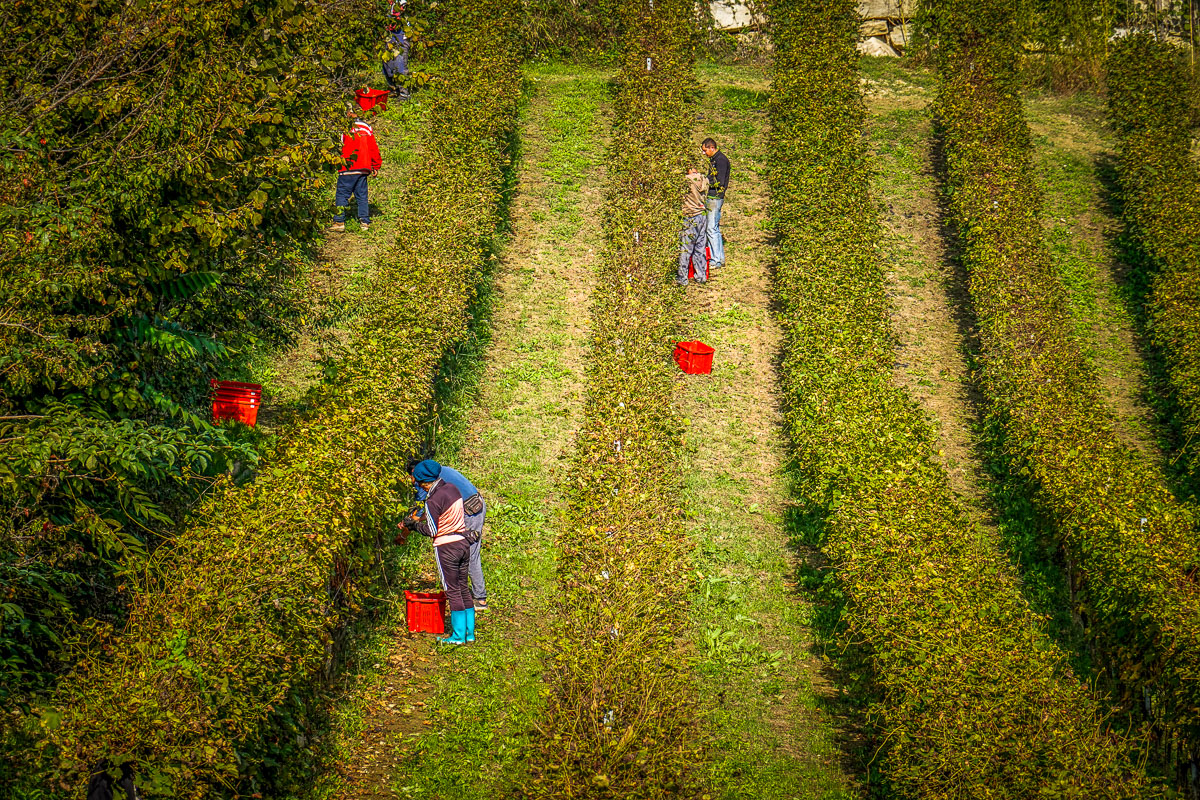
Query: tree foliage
(161, 176)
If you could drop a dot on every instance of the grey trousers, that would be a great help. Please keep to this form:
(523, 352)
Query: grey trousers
(691, 248)
(475, 565)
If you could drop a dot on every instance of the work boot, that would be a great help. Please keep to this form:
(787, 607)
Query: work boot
(470, 612)
(362, 226)
(458, 622)
(337, 227)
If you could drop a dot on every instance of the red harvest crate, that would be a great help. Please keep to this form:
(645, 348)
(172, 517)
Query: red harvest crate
(370, 98)
(692, 264)
(694, 358)
(234, 400)
(426, 611)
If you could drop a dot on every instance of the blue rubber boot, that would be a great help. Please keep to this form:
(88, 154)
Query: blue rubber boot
(458, 621)
(470, 612)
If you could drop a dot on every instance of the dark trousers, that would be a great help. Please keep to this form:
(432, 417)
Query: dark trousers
(455, 561)
(352, 186)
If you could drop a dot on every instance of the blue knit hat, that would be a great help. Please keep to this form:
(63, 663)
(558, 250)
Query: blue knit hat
(427, 471)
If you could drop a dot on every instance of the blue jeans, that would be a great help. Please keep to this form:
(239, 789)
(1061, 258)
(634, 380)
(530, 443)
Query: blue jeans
(475, 563)
(715, 243)
(691, 250)
(352, 185)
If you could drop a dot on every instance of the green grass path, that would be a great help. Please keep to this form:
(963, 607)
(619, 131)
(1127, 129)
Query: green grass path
(424, 723)
(771, 735)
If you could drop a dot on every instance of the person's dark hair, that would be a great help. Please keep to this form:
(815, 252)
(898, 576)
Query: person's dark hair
(709, 143)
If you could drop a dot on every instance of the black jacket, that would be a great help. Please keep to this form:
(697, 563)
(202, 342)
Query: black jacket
(718, 175)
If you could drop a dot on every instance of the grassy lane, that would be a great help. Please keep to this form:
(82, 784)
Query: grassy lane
(1072, 148)
(427, 724)
(771, 735)
(342, 270)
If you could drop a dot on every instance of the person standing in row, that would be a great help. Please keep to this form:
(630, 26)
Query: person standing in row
(396, 67)
(361, 159)
(444, 521)
(718, 184)
(475, 513)
(692, 240)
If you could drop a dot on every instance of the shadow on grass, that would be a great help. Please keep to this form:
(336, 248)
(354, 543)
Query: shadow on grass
(845, 664)
(1134, 271)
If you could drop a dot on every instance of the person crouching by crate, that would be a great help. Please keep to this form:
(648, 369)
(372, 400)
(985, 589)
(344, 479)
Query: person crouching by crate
(362, 160)
(695, 230)
(475, 510)
(444, 521)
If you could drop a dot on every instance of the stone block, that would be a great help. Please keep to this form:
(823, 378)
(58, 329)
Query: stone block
(873, 27)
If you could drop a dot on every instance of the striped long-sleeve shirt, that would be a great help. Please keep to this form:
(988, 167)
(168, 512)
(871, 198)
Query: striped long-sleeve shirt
(444, 520)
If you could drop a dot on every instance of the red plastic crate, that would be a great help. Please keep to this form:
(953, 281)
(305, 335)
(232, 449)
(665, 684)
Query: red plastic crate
(694, 358)
(707, 262)
(371, 98)
(426, 611)
(234, 400)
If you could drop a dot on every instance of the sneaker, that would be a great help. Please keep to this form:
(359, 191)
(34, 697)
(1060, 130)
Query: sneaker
(362, 226)
(481, 605)
(681, 283)
(337, 227)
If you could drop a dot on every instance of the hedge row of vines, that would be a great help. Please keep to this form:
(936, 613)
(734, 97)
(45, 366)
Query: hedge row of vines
(243, 606)
(969, 697)
(1148, 87)
(621, 705)
(1131, 547)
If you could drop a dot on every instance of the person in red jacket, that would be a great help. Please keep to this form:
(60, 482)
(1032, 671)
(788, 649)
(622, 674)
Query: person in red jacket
(362, 160)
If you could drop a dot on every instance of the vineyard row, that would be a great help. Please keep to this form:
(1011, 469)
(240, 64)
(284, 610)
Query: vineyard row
(1132, 544)
(969, 697)
(621, 709)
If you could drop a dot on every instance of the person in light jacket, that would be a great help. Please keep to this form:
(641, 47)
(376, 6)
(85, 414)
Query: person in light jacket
(694, 236)
(445, 523)
(476, 513)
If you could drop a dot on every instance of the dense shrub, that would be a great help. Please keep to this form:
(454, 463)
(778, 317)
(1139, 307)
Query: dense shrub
(241, 608)
(1134, 546)
(969, 697)
(1148, 104)
(160, 184)
(621, 710)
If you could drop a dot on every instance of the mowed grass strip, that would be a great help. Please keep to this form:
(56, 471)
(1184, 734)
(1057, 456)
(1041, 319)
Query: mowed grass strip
(1133, 547)
(621, 706)
(968, 696)
(243, 609)
(508, 426)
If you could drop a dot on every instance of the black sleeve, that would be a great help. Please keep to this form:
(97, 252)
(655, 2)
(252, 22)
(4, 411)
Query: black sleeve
(723, 172)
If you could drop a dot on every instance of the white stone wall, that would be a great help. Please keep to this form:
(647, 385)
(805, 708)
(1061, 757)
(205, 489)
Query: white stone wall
(886, 24)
